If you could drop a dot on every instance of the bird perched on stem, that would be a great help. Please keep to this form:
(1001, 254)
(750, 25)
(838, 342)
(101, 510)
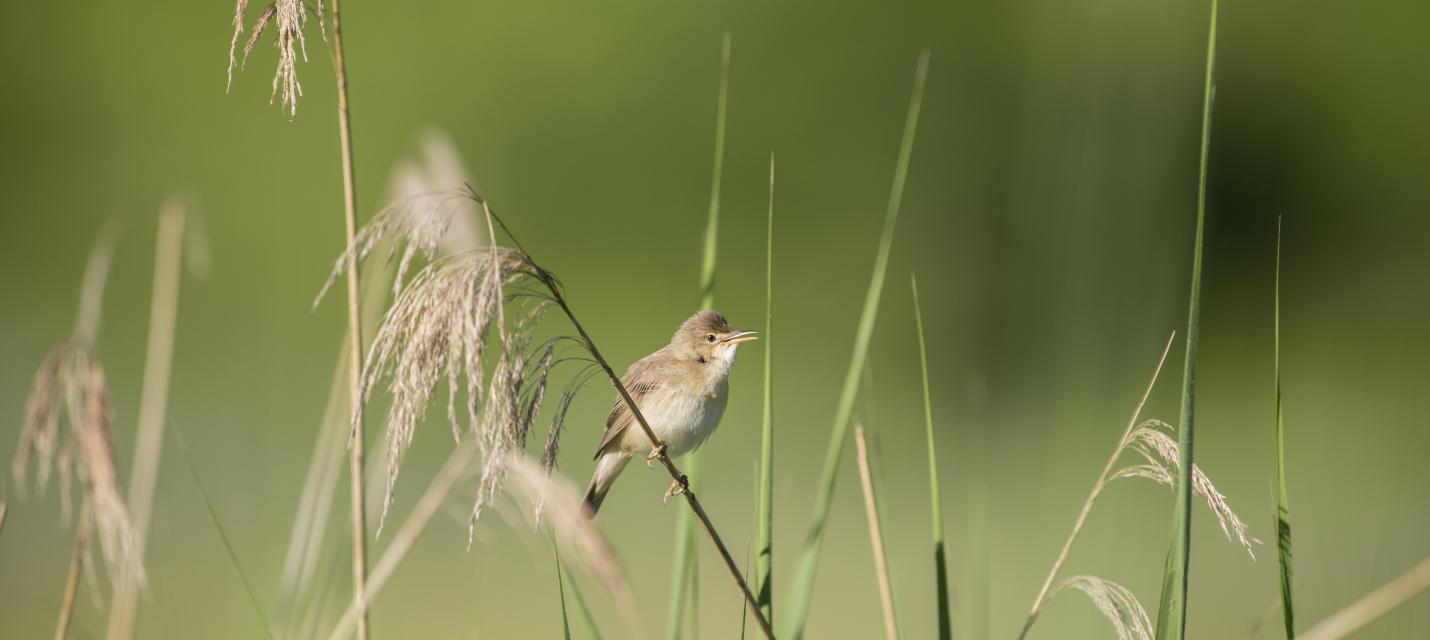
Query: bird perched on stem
(680, 389)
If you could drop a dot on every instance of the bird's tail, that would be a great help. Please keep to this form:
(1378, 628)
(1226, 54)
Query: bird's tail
(608, 466)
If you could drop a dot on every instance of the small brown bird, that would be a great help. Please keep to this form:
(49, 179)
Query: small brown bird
(680, 389)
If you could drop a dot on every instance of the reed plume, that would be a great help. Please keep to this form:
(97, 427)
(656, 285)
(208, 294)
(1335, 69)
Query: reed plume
(1116, 603)
(288, 19)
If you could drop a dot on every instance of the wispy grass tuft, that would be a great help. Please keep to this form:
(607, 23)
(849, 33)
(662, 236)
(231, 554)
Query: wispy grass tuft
(802, 590)
(764, 553)
(876, 534)
(222, 534)
(1116, 603)
(945, 620)
(1172, 609)
(684, 582)
(1283, 510)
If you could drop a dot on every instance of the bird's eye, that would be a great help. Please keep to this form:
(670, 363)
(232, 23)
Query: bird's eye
(700, 359)
(710, 338)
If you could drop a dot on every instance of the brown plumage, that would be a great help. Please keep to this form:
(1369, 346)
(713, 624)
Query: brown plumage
(681, 390)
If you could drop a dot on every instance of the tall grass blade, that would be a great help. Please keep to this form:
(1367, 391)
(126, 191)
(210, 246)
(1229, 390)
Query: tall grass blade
(1283, 511)
(1172, 610)
(222, 533)
(561, 590)
(940, 567)
(876, 535)
(1373, 605)
(154, 400)
(684, 583)
(582, 609)
(802, 590)
(764, 550)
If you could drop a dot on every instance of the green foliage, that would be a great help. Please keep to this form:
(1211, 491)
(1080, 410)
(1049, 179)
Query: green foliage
(945, 620)
(1172, 610)
(802, 590)
(1283, 513)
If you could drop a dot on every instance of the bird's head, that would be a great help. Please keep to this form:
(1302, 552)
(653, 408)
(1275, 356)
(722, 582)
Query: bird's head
(708, 339)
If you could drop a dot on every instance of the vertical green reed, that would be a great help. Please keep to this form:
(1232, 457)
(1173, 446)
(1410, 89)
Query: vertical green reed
(1283, 513)
(945, 621)
(802, 590)
(764, 552)
(1172, 611)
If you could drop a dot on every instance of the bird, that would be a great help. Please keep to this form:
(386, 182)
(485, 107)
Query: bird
(681, 389)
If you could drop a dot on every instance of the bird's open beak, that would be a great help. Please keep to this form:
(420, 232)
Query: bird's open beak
(740, 336)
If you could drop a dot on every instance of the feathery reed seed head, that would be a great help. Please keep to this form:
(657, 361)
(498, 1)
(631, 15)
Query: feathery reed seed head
(1116, 603)
(288, 18)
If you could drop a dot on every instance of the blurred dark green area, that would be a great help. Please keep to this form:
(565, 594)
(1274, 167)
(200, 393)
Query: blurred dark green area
(1049, 214)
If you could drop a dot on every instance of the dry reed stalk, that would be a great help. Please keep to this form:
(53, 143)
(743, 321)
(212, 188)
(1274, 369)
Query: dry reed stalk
(1373, 605)
(553, 286)
(81, 549)
(153, 402)
(876, 534)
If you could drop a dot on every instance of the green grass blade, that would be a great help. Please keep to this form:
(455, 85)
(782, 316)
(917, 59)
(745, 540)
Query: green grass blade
(764, 555)
(1172, 610)
(683, 581)
(802, 590)
(222, 533)
(561, 591)
(583, 611)
(1283, 510)
(945, 621)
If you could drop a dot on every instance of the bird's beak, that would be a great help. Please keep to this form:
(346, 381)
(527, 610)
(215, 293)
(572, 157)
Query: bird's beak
(740, 336)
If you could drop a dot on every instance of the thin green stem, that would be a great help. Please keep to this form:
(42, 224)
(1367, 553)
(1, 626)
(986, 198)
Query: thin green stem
(764, 553)
(945, 621)
(1172, 611)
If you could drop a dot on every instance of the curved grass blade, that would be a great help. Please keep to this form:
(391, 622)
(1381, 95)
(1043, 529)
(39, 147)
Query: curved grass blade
(1172, 610)
(802, 590)
(1283, 511)
(683, 581)
(945, 620)
(222, 533)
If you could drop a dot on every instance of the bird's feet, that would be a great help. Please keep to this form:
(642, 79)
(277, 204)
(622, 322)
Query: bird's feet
(656, 453)
(677, 486)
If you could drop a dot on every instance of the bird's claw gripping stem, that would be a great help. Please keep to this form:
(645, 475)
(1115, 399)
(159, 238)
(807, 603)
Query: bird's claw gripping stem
(677, 486)
(656, 453)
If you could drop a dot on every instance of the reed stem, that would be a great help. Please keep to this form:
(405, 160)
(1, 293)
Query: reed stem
(355, 446)
(555, 290)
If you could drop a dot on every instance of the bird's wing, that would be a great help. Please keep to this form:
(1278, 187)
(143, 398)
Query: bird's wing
(640, 380)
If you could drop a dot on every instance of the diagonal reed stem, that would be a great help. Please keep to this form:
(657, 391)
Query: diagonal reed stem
(1092, 496)
(81, 547)
(555, 289)
(876, 533)
(355, 446)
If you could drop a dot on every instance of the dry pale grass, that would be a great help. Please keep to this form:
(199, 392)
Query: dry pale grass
(288, 17)
(69, 390)
(1116, 603)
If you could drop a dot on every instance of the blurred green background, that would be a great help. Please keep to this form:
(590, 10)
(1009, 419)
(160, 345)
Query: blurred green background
(1049, 214)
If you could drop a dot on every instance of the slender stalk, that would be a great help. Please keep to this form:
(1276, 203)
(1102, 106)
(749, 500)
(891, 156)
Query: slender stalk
(1283, 509)
(427, 506)
(1172, 611)
(1373, 605)
(683, 582)
(154, 400)
(802, 591)
(4, 511)
(876, 534)
(355, 456)
(581, 607)
(554, 288)
(945, 621)
(561, 591)
(764, 554)
(81, 547)
(1097, 488)
(223, 536)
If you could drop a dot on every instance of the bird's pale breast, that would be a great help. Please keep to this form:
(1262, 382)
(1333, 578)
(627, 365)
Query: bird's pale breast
(681, 417)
